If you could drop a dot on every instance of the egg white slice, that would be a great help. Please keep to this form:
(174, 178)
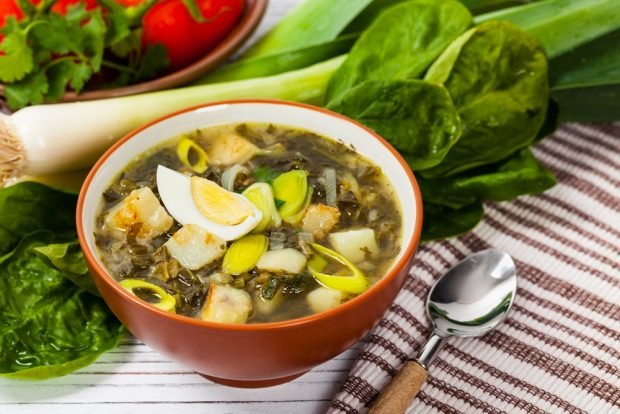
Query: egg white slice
(176, 194)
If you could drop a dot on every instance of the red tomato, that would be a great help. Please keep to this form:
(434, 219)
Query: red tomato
(169, 23)
(61, 6)
(9, 8)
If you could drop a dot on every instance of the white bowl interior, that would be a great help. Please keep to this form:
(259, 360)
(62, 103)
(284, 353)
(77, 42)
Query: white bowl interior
(316, 121)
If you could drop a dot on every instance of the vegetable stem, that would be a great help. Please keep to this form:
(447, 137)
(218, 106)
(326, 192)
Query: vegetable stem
(562, 25)
(12, 160)
(37, 141)
(120, 68)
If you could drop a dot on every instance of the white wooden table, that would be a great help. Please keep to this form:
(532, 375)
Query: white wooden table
(133, 379)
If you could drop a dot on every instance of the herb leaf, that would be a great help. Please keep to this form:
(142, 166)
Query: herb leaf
(32, 89)
(18, 59)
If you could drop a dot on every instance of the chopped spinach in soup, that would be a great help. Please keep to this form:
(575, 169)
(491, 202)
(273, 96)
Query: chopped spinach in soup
(249, 223)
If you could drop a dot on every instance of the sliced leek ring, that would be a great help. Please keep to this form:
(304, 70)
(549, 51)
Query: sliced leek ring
(261, 195)
(297, 217)
(291, 188)
(166, 301)
(244, 253)
(184, 147)
(354, 283)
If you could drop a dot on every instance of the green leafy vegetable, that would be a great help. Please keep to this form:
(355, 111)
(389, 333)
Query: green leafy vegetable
(78, 37)
(441, 221)
(269, 289)
(497, 77)
(48, 326)
(295, 285)
(28, 207)
(415, 116)
(401, 43)
(520, 174)
(46, 53)
(17, 58)
(265, 174)
(68, 258)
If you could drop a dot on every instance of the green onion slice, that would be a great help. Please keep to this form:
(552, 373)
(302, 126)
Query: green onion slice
(354, 283)
(166, 301)
(185, 147)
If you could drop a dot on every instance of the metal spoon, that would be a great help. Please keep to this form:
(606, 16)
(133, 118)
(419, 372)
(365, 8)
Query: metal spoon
(469, 300)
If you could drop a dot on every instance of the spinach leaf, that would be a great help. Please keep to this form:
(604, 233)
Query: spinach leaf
(415, 116)
(520, 174)
(441, 222)
(68, 258)
(48, 326)
(29, 206)
(497, 77)
(401, 43)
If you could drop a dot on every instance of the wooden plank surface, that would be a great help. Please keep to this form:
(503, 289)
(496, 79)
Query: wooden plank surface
(133, 379)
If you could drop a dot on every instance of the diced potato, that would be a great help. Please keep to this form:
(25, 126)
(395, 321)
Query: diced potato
(229, 149)
(227, 304)
(267, 307)
(355, 244)
(320, 219)
(282, 260)
(142, 207)
(220, 278)
(195, 247)
(322, 299)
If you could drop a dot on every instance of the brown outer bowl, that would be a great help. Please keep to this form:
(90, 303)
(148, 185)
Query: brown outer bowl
(253, 355)
(254, 11)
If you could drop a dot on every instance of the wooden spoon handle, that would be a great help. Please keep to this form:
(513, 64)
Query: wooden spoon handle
(399, 394)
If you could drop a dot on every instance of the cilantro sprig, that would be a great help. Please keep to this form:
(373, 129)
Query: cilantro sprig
(45, 53)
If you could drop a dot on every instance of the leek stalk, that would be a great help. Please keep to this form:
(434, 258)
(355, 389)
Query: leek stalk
(562, 25)
(49, 139)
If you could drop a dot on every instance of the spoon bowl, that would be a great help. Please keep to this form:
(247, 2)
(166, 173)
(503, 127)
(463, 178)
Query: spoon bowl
(474, 296)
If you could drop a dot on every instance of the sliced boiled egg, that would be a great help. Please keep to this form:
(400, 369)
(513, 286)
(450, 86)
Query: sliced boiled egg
(196, 200)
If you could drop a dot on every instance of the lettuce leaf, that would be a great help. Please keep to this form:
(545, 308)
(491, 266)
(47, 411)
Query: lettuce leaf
(49, 325)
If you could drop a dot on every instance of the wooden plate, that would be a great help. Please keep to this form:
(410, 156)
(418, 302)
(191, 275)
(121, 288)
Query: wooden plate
(252, 16)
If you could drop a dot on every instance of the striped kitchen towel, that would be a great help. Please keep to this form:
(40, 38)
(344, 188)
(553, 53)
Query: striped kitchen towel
(559, 350)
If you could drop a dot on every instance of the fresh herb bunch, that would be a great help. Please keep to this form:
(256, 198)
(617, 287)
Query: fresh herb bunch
(47, 49)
